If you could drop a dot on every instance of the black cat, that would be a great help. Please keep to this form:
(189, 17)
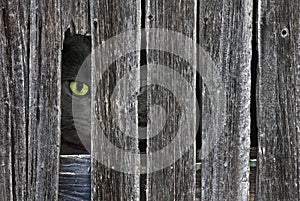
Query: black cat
(75, 95)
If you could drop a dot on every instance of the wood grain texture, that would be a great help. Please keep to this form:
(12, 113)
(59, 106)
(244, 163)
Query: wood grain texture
(278, 100)
(225, 33)
(175, 181)
(30, 89)
(44, 100)
(77, 13)
(115, 117)
(30, 57)
(14, 102)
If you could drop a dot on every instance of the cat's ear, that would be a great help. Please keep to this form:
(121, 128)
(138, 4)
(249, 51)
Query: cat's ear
(67, 38)
(68, 33)
(71, 30)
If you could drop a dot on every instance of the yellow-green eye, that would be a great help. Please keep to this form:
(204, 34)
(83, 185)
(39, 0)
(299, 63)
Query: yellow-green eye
(79, 88)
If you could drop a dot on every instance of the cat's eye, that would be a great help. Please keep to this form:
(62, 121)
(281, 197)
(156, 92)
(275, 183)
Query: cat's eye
(79, 88)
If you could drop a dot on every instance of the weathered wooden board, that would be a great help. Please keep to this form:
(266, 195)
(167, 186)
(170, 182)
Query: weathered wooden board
(77, 13)
(30, 93)
(168, 84)
(278, 100)
(14, 72)
(225, 33)
(30, 57)
(114, 104)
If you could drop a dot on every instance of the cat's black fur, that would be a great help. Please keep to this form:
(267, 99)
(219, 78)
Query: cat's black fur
(75, 50)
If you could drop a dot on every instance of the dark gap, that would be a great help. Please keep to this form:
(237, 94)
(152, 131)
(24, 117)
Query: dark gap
(89, 16)
(197, 23)
(198, 91)
(199, 108)
(198, 117)
(254, 66)
(253, 111)
(143, 9)
(143, 63)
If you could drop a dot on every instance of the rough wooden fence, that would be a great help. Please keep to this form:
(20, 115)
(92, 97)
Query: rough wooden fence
(255, 46)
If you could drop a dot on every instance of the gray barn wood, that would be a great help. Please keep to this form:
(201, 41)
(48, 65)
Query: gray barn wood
(225, 32)
(30, 99)
(76, 13)
(108, 19)
(175, 181)
(31, 38)
(278, 100)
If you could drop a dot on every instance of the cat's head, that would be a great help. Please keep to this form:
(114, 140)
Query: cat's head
(75, 93)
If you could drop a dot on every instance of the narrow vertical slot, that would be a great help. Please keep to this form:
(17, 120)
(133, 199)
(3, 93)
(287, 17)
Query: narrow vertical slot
(253, 111)
(198, 92)
(143, 64)
(254, 66)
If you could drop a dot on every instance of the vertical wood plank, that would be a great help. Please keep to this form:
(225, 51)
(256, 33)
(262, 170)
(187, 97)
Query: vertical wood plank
(14, 99)
(30, 89)
(44, 100)
(114, 116)
(175, 181)
(278, 100)
(225, 32)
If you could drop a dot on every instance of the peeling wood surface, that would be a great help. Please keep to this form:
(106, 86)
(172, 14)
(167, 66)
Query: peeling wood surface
(225, 32)
(278, 100)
